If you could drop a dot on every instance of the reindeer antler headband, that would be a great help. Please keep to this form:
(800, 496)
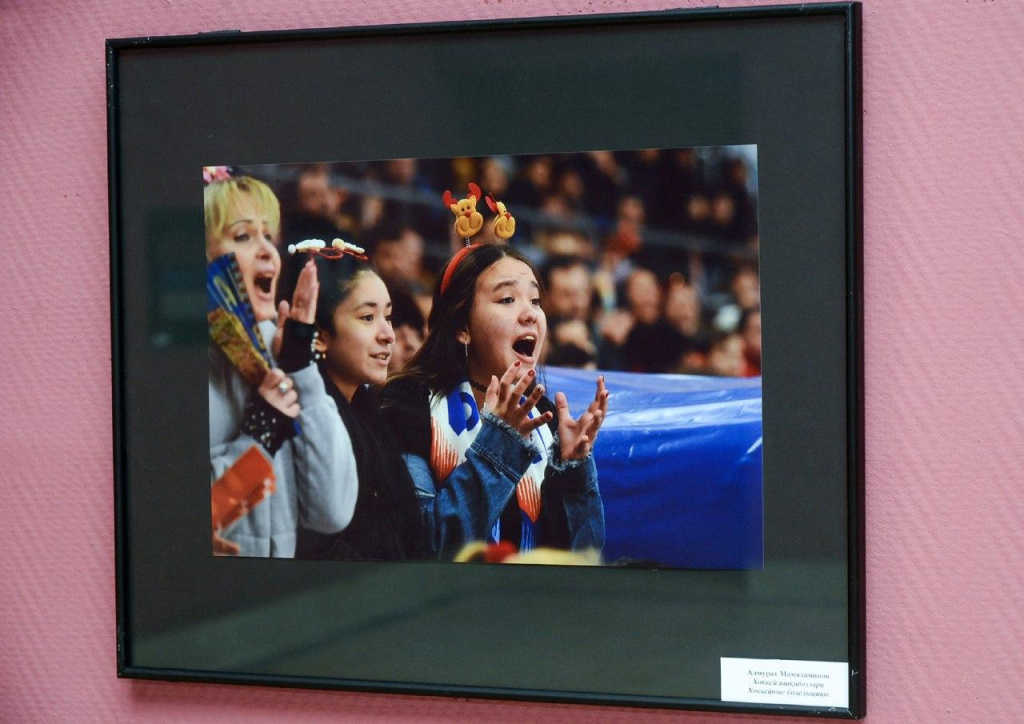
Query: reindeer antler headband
(469, 221)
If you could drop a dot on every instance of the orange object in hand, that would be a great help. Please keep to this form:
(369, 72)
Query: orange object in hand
(243, 486)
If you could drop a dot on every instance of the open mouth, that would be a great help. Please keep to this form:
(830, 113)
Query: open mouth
(264, 282)
(383, 356)
(525, 345)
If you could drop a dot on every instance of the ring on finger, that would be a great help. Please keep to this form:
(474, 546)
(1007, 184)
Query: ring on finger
(283, 387)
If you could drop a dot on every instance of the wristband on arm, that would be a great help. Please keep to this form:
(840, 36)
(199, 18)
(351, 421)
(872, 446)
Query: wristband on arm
(270, 427)
(296, 346)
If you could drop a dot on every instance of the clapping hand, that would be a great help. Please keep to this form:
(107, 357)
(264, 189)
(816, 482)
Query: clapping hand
(577, 437)
(504, 398)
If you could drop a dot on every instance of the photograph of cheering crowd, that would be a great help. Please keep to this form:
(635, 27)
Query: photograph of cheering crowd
(626, 303)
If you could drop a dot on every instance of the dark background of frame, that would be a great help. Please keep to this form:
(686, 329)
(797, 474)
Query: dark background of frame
(786, 80)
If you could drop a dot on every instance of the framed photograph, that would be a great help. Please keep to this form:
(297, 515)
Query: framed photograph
(518, 359)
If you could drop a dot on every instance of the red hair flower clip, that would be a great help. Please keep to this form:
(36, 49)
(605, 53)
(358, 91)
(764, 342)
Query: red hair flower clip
(215, 173)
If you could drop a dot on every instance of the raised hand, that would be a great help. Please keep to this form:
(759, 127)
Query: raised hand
(303, 305)
(504, 395)
(577, 437)
(307, 288)
(279, 391)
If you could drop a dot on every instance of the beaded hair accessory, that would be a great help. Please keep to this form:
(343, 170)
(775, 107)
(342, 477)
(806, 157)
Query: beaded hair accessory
(337, 249)
(469, 221)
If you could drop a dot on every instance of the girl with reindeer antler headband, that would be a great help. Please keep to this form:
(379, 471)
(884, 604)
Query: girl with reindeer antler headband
(492, 458)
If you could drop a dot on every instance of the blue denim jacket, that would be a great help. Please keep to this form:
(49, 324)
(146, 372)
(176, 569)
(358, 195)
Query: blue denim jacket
(467, 504)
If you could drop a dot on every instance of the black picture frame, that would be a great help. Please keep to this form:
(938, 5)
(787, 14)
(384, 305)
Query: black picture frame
(786, 78)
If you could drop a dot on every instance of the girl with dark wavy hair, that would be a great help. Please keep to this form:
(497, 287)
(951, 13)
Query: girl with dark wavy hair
(355, 341)
(491, 457)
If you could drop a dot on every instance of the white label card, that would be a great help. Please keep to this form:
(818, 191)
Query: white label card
(780, 681)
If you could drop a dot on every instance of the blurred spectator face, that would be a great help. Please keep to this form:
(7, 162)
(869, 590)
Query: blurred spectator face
(682, 309)
(686, 158)
(538, 172)
(568, 295)
(372, 211)
(494, 178)
(408, 340)
(555, 205)
(565, 243)
(605, 162)
(574, 332)
(631, 211)
(726, 357)
(693, 362)
(650, 155)
(315, 195)
(425, 302)
(698, 209)
(616, 325)
(571, 346)
(387, 258)
(626, 237)
(643, 295)
(399, 261)
(401, 170)
(746, 288)
(738, 172)
(723, 209)
(752, 336)
(571, 186)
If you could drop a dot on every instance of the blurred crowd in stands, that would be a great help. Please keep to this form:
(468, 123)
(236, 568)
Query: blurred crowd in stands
(649, 258)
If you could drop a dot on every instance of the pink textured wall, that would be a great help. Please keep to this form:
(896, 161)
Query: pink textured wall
(943, 146)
